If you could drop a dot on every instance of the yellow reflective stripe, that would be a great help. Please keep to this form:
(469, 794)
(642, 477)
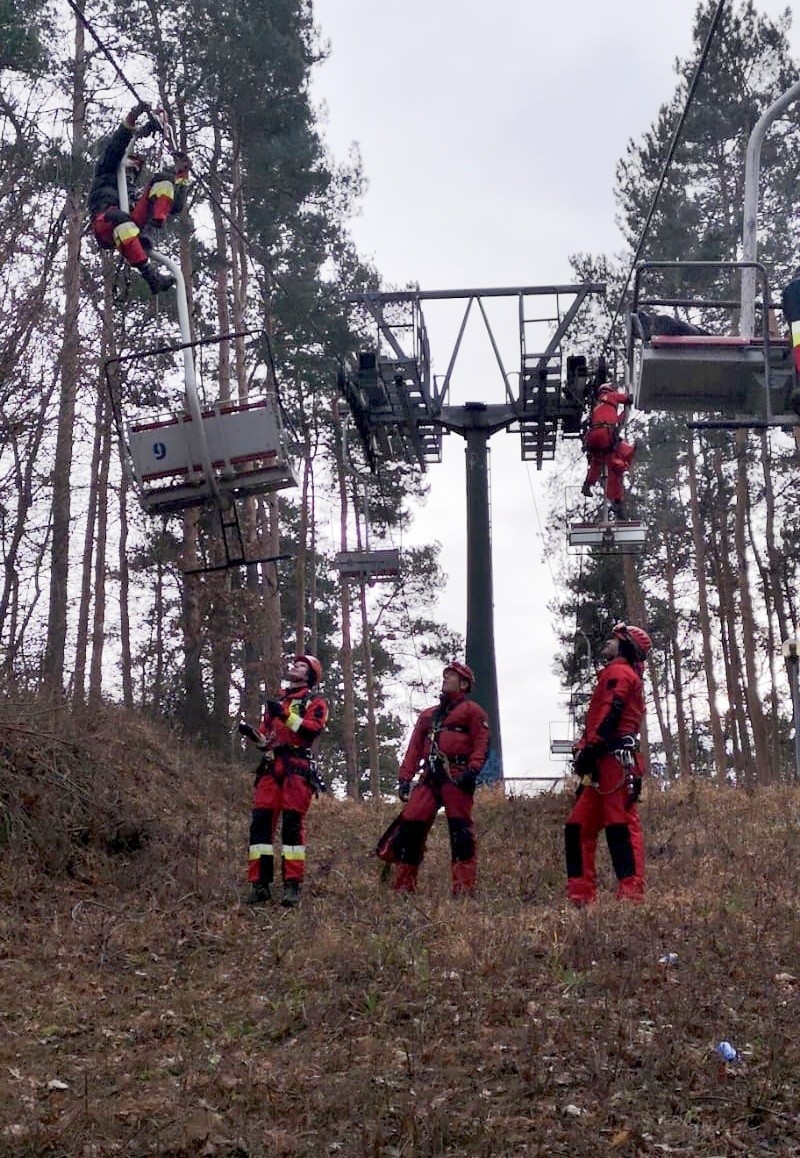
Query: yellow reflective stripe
(796, 333)
(181, 180)
(257, 850)
(294, 852)
(162, 189)
(125, 232)
(295, 723)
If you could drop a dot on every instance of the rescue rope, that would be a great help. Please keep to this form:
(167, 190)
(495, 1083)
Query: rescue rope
(667, 163)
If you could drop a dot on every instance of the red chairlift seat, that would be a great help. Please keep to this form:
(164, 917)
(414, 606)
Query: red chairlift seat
(245, 449)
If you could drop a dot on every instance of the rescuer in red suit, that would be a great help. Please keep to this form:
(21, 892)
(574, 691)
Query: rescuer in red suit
(605, 448)
(609, 764)
(449, 743)
(285, 780)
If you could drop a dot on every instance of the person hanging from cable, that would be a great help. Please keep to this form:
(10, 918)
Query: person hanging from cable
(606, 450)
(286, 780)
(163, 196)
(610, 767)
(450, 741)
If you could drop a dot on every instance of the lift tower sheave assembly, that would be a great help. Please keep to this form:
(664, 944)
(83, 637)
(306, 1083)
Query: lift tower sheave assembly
(401, 413)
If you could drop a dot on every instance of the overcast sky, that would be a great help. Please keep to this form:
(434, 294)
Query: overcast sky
(489, 135)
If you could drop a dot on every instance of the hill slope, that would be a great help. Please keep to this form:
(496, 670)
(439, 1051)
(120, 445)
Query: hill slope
(148, 1012)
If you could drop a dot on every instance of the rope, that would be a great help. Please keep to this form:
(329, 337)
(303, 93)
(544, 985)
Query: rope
(667, 163)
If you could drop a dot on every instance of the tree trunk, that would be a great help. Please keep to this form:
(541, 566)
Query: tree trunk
(53, 664)
(348, 690)
(302, 551)
(634, 603)
(98, 624)
(776, 571)
(722, 553)
(763, 769)
(698, 539)
(85, 605)
(675, 651)
(126, 657)
(271, 601)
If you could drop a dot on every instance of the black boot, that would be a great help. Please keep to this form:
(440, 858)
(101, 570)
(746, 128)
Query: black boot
(618, 511)
(586, 489)
(258, 895)
(291, 894)
(157, 281)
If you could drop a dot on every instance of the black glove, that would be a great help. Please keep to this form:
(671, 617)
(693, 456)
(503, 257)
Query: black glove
(275, 709)
(586, 762)
(249, 733)
(149, 128)
(136, 112)
(467, 781)
(634, 785)
(404, 789)
(629, 400)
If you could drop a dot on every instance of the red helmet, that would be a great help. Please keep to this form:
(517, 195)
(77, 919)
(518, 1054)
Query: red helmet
(461, 669)
(315, 668)
(606, 388)
(635, 635)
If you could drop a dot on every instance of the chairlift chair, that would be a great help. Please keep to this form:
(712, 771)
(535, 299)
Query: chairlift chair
(561, 747)
(608, 536)
(740, 378)
(371, 566)
(212, 459)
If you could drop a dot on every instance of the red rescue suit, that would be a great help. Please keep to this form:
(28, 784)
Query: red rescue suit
(605, 448)
(283, 786)
(460, 730)
(618, 700)
(163, 196)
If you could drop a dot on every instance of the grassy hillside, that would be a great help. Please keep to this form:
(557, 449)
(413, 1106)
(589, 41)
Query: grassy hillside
(147, 1012)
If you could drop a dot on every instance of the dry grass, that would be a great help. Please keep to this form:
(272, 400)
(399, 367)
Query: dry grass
(365, 1023)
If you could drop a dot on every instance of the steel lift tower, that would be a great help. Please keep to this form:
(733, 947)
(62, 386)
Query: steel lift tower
(401, 413)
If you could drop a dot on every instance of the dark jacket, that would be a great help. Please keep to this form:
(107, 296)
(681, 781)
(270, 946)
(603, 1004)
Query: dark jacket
(103, 192)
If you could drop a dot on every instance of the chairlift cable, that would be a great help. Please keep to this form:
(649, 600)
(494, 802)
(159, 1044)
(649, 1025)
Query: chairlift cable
(715, 20)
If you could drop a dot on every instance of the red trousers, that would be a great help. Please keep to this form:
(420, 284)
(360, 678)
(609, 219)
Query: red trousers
(605, 806)
(114, 228)
(415, 823)
(605, 449)
(278, 793)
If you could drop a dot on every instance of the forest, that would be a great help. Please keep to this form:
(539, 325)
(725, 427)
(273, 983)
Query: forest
(95, 603)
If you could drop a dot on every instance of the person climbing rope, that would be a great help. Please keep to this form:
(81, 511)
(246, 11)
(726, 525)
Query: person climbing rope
(604, 447)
